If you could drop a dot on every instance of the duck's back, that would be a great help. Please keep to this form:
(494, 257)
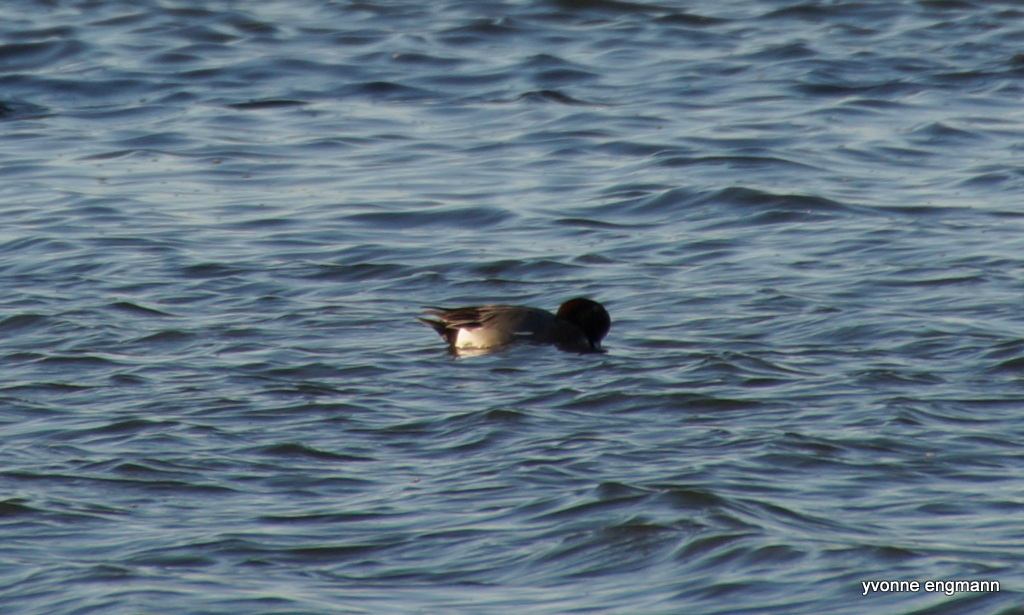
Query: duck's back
(487, 326)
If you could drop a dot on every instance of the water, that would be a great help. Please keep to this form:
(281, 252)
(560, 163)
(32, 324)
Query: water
(219, 224)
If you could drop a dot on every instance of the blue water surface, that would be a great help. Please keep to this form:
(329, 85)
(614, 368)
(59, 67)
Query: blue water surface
(221, 219)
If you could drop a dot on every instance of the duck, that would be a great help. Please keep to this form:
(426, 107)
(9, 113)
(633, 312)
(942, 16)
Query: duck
(579, 325)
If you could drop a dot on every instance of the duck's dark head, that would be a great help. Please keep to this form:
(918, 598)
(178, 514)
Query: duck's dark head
(589, 316)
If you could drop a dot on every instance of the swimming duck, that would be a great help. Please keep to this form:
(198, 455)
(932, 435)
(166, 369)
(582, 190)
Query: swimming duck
(579, 325)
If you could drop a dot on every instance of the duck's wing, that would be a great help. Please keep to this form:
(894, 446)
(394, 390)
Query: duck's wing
(469, 317)
(450, 320)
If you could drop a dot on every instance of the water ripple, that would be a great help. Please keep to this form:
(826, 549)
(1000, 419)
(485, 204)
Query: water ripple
(220, 223)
